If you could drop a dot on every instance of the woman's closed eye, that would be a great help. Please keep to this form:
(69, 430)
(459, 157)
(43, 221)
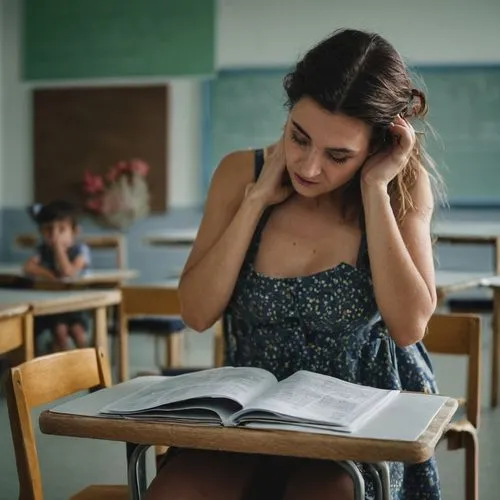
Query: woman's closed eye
(337, 159)
(304, 142)
(301, 141)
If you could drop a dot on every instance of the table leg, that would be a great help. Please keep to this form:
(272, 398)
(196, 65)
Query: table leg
(28, 337)
(136, 470)
(495, 349)
(122, 345)
(357, 478)
(101, 329)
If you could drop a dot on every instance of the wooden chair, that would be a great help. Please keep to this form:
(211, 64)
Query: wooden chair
(113, 242)
(153, 308)
(40, 381)
(461, 335)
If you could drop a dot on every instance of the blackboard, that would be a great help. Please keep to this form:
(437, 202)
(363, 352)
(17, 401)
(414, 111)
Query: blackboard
(246, 111)
(82, 39)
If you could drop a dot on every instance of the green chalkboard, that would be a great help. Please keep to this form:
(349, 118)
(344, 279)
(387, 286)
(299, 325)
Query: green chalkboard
(246, 111)
(81, 39)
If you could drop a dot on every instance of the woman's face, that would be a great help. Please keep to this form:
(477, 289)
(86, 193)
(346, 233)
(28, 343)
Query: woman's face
(323, 150)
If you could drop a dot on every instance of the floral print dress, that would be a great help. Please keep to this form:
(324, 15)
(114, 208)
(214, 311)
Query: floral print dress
(327, 323)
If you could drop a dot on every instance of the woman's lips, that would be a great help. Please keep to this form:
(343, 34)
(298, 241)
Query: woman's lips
(304, 182)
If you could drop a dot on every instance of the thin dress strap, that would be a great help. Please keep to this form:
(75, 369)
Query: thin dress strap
(363, 261)
(259, 158)
(258, 162)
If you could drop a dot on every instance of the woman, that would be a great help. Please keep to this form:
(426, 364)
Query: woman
(318, 251)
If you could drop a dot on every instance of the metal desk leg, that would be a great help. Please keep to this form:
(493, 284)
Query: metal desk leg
(376, 479)
(136, 470)
(357, 478)
(383, 470)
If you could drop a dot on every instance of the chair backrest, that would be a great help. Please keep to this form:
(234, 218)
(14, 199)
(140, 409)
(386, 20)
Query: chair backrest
(40, 381)
(460, 334)
(150, 300)
(113, 242)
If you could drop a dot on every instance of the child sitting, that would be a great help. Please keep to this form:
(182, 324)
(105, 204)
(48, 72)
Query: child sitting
(59, 255)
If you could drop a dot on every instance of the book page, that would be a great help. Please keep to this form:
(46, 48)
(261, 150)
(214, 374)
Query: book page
(315, 398)
(240, 385)
(405, 419)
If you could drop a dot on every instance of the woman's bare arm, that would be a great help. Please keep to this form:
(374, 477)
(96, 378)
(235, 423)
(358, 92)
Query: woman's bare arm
(401, 260)
(235, 204)
(228, 224)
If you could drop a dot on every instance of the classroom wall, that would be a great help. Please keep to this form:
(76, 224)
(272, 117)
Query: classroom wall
(261, 33)
(273, 32)
(16, 158)
(255, 34)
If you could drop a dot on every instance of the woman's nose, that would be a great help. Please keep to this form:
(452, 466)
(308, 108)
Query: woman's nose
(312, 166)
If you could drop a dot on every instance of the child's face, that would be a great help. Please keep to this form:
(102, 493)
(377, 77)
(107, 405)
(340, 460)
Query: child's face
(59, 232)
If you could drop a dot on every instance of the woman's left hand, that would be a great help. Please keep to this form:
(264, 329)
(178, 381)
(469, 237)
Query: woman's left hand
(382, 167)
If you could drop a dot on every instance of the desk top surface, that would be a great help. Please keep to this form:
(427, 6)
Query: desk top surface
(94, 276)
(80, 418)
(183, 236)
(467, 279)
(53, 302)
(466, 229)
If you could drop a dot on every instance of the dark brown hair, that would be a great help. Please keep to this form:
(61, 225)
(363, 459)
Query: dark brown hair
(362, 76)
(56, 210)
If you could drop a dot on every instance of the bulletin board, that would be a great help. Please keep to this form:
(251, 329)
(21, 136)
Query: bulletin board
(82, 39)
(92, 128)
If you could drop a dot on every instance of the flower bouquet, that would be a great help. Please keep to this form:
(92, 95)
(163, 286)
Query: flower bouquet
(120, 197)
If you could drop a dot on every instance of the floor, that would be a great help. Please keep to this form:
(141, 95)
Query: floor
(68, 465)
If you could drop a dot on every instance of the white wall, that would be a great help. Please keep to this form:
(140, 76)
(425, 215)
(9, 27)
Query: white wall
(16, 160)
(254, 34)
(274, 32)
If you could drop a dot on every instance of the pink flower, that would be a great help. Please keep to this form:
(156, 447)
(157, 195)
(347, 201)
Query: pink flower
(92, 183)
(116, 171)
(140, 167)
(94, 204)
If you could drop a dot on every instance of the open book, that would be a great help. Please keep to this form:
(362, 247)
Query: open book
(252, 397)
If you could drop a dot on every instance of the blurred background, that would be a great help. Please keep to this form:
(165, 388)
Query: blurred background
(163, 89)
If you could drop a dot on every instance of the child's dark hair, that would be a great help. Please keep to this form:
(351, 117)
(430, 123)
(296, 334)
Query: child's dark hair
(54, 211)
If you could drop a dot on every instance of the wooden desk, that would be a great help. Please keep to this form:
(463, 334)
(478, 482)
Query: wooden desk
(16, 331)
(106, 278)
(471, 233)
(43, 303)
(494, 283)
(154, 299)
(79, 418)
(173, 237)
(456, 281)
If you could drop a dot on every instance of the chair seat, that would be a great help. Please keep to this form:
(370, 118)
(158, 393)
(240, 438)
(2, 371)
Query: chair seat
(103, 492)
(160, 325)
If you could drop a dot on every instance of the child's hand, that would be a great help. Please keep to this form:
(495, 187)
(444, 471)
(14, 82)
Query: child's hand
(33, 268)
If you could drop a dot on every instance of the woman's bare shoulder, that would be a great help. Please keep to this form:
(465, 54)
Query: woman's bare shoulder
(236, 168)
(234, 172)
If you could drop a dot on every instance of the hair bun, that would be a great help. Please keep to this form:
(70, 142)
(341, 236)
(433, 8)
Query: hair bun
(417, 104)
(34, 210)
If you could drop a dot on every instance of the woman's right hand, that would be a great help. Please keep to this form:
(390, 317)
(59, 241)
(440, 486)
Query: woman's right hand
(269, 188)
